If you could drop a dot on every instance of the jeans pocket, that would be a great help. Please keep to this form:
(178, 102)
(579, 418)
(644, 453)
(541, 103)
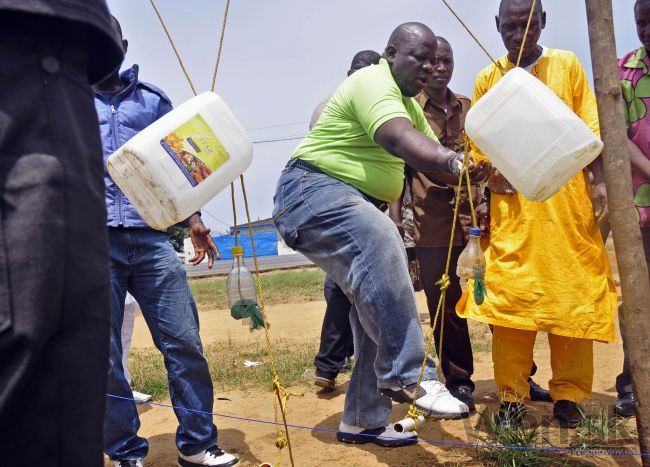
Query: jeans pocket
(5, 299)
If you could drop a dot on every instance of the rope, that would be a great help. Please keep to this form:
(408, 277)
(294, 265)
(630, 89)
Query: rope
(234, 212)
(473, 36)
(223, 33)
(523, 43)
(282, 394)
(444, 284)
(171, 41)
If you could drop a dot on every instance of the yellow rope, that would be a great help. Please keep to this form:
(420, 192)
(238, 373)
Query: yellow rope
(223, 33)
(282, 395)
(171, 41)
(523, 43)
(473, 36)
(234, 212)
(444, 284)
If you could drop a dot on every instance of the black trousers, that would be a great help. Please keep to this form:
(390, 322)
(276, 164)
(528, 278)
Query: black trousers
(457, 363)
(624, 380)
(54, 269)
(336, 335)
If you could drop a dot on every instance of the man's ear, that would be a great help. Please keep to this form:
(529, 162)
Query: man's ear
(390, 52)
(543, 20)
(496, 19)
(125, 45)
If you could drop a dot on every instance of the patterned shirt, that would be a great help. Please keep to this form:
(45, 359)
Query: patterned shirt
(633, 70)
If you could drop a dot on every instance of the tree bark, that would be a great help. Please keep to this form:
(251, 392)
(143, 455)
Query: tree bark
(635, 322)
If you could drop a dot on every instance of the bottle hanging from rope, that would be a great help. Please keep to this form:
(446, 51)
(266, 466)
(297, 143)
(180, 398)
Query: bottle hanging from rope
(242, 292)
(471, 265)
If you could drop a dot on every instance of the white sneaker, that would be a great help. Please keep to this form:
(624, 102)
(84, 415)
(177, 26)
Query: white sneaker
(129, 463)
(141, 397)
(211, 456)
(433, 398)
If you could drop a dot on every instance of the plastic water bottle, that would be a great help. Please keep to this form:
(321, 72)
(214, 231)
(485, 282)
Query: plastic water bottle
(471, 262)
(240, 284)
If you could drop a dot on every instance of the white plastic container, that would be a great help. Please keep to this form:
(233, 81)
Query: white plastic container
(177, 164)
(530, 135)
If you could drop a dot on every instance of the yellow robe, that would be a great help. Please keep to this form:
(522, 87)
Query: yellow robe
(547, 268)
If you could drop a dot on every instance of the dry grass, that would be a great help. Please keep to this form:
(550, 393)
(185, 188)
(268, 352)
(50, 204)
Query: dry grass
(302, 285)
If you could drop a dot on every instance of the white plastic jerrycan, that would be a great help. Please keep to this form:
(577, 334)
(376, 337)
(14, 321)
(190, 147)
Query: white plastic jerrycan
(533, 138)
(180, 162)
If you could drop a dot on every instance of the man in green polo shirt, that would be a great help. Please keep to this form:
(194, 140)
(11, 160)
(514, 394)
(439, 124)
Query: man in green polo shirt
(353, 159)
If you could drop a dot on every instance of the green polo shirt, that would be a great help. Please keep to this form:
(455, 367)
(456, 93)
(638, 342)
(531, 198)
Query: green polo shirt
(342, 145)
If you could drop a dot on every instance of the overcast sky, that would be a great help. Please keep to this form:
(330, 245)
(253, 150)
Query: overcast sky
(282, 57)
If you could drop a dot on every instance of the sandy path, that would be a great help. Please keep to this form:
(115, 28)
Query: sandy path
(254, 442)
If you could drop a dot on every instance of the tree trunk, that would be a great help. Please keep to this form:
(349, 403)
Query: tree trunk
(635, 322)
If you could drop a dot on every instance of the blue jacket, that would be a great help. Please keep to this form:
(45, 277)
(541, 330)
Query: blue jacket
(121, 117)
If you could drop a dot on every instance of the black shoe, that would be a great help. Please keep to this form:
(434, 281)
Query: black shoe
(624, 406)
(538, 393)
(384, 436)
(567, 413)
(510, 414)
(464, 394)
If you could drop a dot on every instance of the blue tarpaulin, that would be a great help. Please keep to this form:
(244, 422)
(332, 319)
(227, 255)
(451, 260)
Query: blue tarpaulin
(266, 244)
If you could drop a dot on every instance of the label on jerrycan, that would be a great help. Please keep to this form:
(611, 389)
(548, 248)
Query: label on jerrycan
(195, 149)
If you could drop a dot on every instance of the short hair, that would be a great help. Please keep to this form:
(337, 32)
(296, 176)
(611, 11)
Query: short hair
(538, 6)
(364, 58)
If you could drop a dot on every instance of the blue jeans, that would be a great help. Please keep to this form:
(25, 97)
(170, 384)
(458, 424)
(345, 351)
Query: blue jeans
(336, 227)
(143, 262)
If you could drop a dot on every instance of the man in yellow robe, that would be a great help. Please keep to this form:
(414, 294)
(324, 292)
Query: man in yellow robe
(547, 268)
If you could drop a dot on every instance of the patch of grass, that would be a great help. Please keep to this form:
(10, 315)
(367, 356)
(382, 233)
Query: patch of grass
(303, 285)
(505, 446)
(226, 364)
(600, 430)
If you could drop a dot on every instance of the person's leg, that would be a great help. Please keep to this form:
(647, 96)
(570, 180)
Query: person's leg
(364, 405)
(128, 322)
(121, 422)
(456, 361)
(573, 373)
(512, 355)
(332, 224)
(54, 277)
(572, 362)
(359, 247)
(159, 284)
(336, 333)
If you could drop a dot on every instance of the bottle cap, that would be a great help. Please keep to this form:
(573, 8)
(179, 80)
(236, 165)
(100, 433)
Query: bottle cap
(237, 251)
(475, 231)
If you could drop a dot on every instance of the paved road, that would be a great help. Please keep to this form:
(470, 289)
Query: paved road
(266, 263)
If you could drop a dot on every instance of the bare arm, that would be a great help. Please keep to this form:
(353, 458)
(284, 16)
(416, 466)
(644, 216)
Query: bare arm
(398, 137)
(639, 161)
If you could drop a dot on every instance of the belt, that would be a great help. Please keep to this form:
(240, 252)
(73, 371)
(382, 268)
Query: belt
(307, 167)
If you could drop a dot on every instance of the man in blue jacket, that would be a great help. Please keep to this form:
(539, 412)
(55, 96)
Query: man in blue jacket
(143, 262)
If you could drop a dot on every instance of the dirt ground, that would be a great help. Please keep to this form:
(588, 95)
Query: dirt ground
(254, 442)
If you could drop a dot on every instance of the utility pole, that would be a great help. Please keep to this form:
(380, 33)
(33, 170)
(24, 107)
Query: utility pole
(635, 316)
